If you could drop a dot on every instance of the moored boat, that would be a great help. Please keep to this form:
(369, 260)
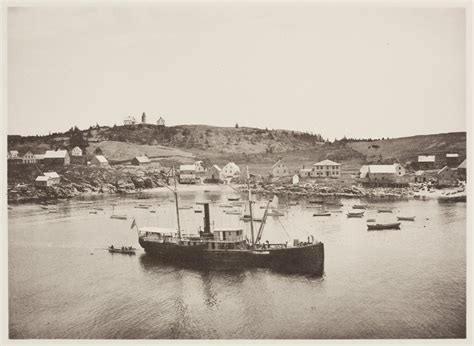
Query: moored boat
(355, 214)
(322, 214)
(406, 218)
(233, 199)
(119, 217)
(384, 210)
(359, 206)
(125, 250)
(382, 226)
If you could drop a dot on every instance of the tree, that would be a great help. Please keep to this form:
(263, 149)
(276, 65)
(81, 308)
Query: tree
(98, 151)
(76, 139)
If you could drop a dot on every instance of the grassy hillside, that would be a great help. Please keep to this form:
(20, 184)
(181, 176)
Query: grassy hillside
(408, 148)
(259, 148)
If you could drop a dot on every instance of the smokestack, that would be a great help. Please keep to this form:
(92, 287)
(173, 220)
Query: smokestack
(207, 221)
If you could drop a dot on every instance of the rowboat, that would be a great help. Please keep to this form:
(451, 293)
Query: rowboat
(316, 201)
(198, 211)
(381, 226)
(233, 198)
(355, 214)
(406, 218)
(246, 218)
(43, 207)
(119, 217)
(336, 204)
(233, 212)
(322, 214)
(124, 250)
(275, 213)
(384, 210)
(359, 206)
(370, 220)
(141, 207)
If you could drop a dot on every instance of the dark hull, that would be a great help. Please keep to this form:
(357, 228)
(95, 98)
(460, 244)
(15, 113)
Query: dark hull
(308, 259)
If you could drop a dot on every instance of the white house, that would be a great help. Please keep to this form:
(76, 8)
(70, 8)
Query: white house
(29, 157)
(42, 180)
(129, 120)
(53, 177)
(326, 168)
(199, 167)
(99, 160)
(385, 173)
(296, 179)
(279, 169)
(230, 170)
(13, 154)
(187, 174)
(76, 151)
(160, 122)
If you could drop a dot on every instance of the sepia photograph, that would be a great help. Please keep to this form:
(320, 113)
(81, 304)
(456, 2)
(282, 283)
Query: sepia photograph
(236, 170)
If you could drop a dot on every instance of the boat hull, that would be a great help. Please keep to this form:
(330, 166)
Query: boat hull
(307, 259)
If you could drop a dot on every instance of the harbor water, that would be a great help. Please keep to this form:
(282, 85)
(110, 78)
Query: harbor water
(407, 283)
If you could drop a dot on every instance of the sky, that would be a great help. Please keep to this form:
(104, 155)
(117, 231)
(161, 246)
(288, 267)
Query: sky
(339, 71)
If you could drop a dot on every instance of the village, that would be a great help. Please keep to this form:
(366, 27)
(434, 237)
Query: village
(45, 170)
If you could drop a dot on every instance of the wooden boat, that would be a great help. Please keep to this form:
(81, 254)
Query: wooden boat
(384, 210)
(44, 207)
(232, 199)
(326, 213)
(186, 207)
(207, 190)
(119, 217)
(355, 214)
(275, 213)
(141, 207)
(247, 218)
(406, 218)
(124, 250)
(233, 212)
(359, 206)
(53, 210)
(153, 211)
(336, 204)
(370, 220)
(144, 205)
(382, 226)
(197, 211)
(316, 201)
(92, 212)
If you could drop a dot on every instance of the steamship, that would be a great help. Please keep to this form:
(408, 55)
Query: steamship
(229, 249)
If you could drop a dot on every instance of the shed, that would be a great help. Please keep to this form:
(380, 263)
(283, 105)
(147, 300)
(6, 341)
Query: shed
(99, 160)
(140, 160)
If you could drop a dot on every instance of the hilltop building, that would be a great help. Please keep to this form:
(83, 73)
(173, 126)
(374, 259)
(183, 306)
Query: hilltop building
(326, 168)
(129, 120)
(143, 118)
(57, 157)
(161, 122)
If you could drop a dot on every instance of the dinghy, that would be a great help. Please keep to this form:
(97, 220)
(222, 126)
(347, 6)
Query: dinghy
(382, 226)
(406, 218)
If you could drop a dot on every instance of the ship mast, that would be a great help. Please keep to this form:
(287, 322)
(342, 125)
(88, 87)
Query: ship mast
(250, 206)
(176, 202)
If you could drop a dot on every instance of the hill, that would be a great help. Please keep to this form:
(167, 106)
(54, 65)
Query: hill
(243, 145)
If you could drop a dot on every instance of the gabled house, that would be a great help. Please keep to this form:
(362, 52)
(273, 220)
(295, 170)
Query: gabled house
(279, 169)
(54, 177)
(160, 122)
(187, 174)
(76, 151)
(426, 161)
(447, 176)
(140, 160)
(99, 160)
(327, 169)
(230, 170)
(129, 120)
(384, 174)
(28, 158)
(214, 174)
(57, 157)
